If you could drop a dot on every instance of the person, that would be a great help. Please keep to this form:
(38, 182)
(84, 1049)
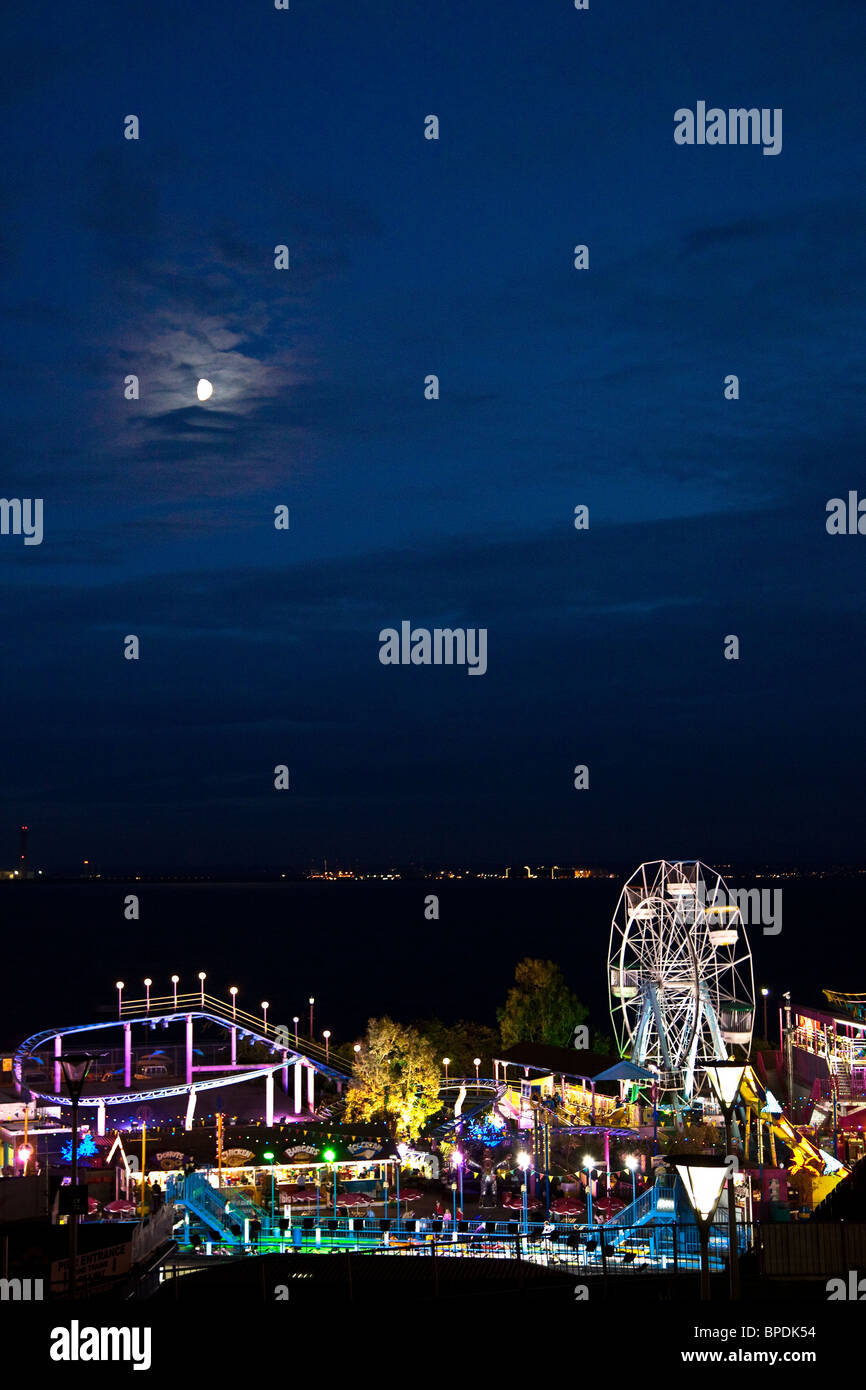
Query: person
(255, 1230)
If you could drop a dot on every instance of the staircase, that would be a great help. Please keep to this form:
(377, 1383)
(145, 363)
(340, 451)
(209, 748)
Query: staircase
(219, 1212)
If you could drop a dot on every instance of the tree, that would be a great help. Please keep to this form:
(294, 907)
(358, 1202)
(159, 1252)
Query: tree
(462, 1042)
(540, 1008)
(395, 1079)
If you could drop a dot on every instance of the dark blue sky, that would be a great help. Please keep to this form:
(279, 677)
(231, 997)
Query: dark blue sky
(559, 387)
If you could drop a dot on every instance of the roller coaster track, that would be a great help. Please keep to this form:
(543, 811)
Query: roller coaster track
(171, 1010)
(492, 1092)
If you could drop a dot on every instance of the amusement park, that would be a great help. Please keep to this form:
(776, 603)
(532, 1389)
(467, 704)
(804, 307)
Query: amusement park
(714, 1151)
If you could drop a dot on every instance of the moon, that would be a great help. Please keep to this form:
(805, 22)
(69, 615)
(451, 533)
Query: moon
(204, 390)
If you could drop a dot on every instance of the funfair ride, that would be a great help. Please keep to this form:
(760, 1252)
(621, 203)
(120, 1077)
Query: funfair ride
(680, 976)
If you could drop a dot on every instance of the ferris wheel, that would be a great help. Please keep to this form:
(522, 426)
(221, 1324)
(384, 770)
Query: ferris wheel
(680, 976)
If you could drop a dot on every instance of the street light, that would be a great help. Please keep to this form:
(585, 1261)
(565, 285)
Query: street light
(312, 1002)
(329, 1157)
(454, 1219)
(269, 1158)
(458, 1164)
(233, 991)
(75, 1067)
(726, 1078)
(175, 980)
(119, 988)
(631, 1164)
(327, 1036)
(523, 1164)
(296, 1021)
(265, 1007)
(703, 1177)
(476, 1062)
(446, 1062)
(765, 993)
(147, 984)
(589, 1164)
(202, 977)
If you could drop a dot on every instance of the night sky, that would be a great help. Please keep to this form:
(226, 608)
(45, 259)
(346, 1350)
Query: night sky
(558, 387)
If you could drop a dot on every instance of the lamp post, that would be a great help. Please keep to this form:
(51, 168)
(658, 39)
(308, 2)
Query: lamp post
(119, 988)
(202, 977)
(329, 1157)
(789, 1049)
(476, 1062)
(312, 1002)
(446, 1062)
(589, 1165)
(523, 1164)
(75, 1066)
(765, 993)
(147, 984)
(143, 1164)
(175, 979)
(454, 1201)
(327, 1036)
(233, 991)
(546, 1138)
(725, 1078)
(269, 1158)
(631, 1164)
(265, 1007)
(458, 1164)
(296, 1021)
(703, 1177)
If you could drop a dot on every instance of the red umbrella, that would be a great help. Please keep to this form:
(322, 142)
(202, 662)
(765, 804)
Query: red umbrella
(409, 1194)
(514, 1201)
(121, 1207)
(354, 1199)
(567, 1206)
(92, 1206)
(606, 1206)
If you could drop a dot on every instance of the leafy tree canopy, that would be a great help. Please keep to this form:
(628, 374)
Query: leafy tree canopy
(540, 1008)
(395, 1079)
(462, 1042)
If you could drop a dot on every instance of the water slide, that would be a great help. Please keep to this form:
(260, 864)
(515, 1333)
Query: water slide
(806, 1157)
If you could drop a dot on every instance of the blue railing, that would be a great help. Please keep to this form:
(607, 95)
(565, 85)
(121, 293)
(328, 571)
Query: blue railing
(666, 1247)
(206, 1203)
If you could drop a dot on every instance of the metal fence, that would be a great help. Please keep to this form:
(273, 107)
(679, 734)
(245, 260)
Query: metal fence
(649, 1248)
(791, 1249)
